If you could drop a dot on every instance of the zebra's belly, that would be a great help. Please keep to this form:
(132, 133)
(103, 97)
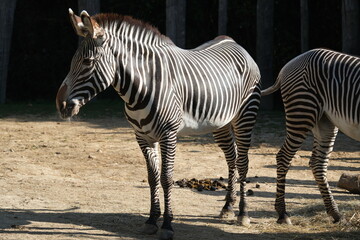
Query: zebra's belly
(349, 128)
(192, 126)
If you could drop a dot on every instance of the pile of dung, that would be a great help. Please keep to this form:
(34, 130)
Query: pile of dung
(202, 184)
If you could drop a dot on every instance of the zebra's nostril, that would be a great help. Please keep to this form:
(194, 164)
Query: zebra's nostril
(70, 105)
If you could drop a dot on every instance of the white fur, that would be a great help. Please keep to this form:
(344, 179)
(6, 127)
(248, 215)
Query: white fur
(191, 126)
(351, 129)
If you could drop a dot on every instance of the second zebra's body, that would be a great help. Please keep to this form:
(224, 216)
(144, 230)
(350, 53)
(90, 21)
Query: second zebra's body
(167, 92)
(320, 90)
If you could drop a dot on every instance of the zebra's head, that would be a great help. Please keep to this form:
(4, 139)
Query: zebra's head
(92, 67)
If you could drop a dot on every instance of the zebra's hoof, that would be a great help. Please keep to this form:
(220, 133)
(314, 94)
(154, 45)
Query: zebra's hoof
(149, 229)
(166, 234)
(337, 217)
(226, 213)
(284, 220)
(340, 220)
(244, 221)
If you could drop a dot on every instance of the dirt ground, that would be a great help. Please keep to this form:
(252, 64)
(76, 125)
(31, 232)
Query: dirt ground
(86, 179)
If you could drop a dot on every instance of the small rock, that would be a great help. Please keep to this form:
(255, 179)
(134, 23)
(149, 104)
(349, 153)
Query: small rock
(17, 226)
(182, 183)
(194, 180)
(201, 184)
(257, 185)
(219, 184)
(250, 192)
(91, 157)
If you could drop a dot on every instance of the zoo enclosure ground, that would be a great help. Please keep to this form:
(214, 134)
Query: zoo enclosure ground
(86, 179)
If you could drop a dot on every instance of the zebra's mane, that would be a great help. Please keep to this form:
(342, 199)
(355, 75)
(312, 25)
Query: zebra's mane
(107, 20)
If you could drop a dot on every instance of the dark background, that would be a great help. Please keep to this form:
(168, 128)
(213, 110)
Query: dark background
(43, 40)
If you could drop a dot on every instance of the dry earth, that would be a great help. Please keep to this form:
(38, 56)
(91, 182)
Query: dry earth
(87, 180)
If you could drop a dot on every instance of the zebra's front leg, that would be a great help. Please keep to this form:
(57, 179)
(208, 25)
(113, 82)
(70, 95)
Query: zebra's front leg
(152, 163)
(324, 137)
(225, 140)
(168, 149)
(319, 169)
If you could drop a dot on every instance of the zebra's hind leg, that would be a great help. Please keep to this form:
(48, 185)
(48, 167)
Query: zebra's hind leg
(152, 163)
(324, 137)
(293, 141)
(225, 140)
(283, 161)
(242, 129)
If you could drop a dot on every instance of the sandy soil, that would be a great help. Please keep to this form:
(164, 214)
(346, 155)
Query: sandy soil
(87, 180)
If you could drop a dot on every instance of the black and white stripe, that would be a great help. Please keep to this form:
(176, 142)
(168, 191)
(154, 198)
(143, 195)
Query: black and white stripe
(321, 93)
(168, 92)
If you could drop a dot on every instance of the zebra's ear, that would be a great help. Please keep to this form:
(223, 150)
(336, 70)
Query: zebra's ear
(85, 26)
(77, 24)
(93, 28)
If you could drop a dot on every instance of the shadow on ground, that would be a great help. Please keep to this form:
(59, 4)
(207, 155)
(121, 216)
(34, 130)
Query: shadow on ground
(128, 225)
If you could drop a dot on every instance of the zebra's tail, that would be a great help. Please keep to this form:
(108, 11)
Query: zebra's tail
(271, 89)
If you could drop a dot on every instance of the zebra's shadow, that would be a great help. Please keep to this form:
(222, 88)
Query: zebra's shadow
(70, 224)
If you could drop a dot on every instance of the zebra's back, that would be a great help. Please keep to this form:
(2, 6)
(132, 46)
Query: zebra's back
(215, 80)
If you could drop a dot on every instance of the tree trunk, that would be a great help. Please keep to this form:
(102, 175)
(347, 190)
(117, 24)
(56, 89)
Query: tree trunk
(304, 12)
(264, 47)
(175, 21)
(7, 9)
(222, 17)
(350, 27)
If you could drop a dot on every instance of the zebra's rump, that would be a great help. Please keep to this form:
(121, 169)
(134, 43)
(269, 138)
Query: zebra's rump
(326, 82)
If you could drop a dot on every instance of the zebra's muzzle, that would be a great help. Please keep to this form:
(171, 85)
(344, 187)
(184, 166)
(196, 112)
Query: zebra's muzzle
(69, 109)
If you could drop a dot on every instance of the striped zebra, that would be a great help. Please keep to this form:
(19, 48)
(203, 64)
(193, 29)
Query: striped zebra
(321, 93)
(167, 92)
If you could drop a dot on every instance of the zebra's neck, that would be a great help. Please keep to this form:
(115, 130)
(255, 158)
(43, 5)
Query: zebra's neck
(138, 51)
(140, 35)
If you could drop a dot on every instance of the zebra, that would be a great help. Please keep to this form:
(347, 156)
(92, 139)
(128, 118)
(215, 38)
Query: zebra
(320, 90)
(167, 92)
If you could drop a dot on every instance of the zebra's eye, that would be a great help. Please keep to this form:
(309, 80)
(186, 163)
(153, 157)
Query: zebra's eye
(88, 61)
